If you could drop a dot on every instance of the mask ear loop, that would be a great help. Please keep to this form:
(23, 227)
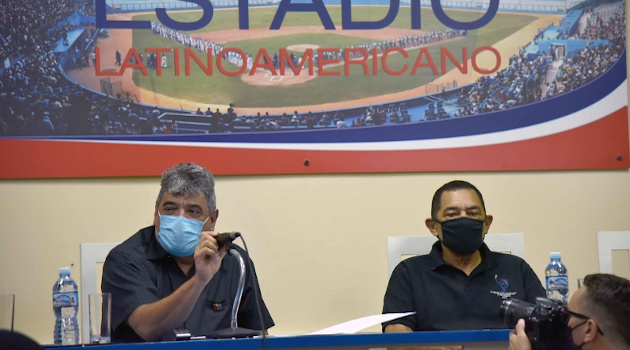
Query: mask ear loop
(571, 329)
(583, 317)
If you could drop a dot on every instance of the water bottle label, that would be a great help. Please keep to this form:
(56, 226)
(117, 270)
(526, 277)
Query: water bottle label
(557, 282)
(68, 312)
(65, 299)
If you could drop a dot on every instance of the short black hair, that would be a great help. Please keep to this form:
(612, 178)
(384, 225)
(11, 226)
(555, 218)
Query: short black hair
(608, 296)
(454, 185)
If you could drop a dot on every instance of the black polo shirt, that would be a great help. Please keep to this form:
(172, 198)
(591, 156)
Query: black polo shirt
(139, 271)
(445, 298)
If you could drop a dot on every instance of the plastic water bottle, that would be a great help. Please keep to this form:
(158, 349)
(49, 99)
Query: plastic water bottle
(66, 307)
(557, 280)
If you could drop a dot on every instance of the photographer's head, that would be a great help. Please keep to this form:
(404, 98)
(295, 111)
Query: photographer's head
(600, 311)
(598, 317)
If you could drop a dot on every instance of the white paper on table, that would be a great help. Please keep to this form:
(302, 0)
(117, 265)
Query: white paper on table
(358, 324)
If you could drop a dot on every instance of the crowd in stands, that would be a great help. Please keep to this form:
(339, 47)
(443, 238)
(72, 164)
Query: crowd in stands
(367, 116)
(519, 83)
(381, 114)
(230, 121)
(593, 60)
(36, 98)
(88, 11)
(524, 80)
(24, 25)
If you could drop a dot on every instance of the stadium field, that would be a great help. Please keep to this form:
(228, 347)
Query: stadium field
(263, 90)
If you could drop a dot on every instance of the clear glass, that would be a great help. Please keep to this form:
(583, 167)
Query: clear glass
(100, 305)
(7, 311)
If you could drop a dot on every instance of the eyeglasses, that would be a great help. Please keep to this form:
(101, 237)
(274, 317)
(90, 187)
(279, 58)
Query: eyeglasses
(583, 317)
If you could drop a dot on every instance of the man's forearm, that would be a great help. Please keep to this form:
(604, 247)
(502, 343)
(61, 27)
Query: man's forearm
(151, 321)
(397, 328)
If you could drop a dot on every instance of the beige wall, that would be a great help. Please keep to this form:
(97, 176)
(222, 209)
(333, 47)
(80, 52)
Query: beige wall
(318, 241)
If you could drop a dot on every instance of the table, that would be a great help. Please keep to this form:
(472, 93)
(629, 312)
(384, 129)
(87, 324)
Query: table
(495, 339)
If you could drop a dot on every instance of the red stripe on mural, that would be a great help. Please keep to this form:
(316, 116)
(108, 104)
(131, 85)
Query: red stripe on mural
(602, 144)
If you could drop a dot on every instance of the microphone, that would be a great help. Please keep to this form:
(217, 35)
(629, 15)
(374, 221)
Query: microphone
(234, 331)
(227, 238)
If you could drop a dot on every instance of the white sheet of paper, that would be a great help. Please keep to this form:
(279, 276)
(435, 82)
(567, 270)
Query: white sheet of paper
(354, 326)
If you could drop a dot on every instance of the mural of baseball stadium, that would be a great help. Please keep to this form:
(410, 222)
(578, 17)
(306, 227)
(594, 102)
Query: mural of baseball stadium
(129, 87)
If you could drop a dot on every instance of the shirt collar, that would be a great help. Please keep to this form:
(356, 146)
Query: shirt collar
(436, 255)
(154, 249)
(487, 258)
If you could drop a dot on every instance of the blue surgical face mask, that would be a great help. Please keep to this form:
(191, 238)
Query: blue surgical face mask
(179, 235)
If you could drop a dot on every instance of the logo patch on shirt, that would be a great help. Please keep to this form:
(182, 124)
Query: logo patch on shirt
(217, 306)
(504, 284)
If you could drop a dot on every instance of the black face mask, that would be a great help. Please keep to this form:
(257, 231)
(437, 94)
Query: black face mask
(463, 236)
(572, 345)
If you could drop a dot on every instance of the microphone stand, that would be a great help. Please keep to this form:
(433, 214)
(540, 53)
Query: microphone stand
(235, 331)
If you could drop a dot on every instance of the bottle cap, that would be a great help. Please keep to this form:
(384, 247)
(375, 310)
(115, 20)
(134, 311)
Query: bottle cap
(64, 271)
(555, 255)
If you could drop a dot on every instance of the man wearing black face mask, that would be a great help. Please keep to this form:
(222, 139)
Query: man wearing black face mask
(460, 284)
(600, 316)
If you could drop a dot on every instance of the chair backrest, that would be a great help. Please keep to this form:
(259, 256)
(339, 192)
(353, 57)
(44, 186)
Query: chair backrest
(400, 246)
(92, 254)
(607, 242)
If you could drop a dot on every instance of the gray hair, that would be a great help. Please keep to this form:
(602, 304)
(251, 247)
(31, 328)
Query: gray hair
(188, 179)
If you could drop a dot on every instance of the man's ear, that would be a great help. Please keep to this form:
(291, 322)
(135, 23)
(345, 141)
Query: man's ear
(591, 331)
(487, 222)
(213, 219)
(430, 223)
(156, 217)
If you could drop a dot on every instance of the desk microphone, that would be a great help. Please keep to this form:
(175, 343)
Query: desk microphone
(235, 331)
(226, 238)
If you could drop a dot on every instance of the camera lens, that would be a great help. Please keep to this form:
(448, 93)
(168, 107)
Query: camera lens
(513, 309)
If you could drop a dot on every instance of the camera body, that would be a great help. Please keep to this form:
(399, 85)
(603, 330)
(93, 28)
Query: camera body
(545, 322)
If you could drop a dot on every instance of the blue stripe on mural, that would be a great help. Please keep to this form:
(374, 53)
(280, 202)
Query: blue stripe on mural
(518, 117)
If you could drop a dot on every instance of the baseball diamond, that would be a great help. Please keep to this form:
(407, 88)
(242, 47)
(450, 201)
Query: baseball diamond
(273, 93)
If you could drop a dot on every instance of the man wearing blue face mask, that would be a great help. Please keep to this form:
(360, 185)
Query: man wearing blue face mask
(173, 275)
(460, 284)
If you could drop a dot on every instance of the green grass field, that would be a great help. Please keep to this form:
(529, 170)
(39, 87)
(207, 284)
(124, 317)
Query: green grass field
(220, 89)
